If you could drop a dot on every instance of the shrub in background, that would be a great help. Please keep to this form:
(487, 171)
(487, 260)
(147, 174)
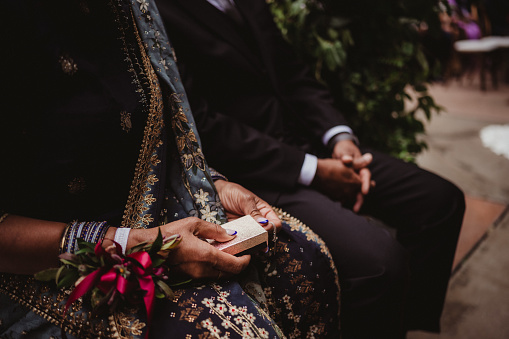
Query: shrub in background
(369, 53)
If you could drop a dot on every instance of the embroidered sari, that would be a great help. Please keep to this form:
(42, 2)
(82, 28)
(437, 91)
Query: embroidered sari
(109, 136)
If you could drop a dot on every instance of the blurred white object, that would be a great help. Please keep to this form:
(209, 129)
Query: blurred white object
(486, 44)
(496, 138)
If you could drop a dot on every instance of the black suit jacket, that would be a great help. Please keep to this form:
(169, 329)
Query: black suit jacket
(257, 107)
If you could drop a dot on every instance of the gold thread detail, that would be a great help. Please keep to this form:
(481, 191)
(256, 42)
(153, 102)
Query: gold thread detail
(298, 226)
(134, 216)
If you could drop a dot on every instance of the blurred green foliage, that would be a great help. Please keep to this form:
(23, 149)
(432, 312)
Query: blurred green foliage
(369, 53)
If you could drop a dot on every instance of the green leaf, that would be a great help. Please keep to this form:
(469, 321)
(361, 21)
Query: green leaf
(85, 246)
(71, 263)
(179, 283)
(157, 244)
(165, 289)
(143, 246)
(68, 278)
(381, 54)
(47, 275)
(84, 250)
(157, 261)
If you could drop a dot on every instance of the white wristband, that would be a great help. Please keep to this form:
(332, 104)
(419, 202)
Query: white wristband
(121, 236)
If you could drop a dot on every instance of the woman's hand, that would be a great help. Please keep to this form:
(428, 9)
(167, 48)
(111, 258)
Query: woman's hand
(238, 202)
(195, 257)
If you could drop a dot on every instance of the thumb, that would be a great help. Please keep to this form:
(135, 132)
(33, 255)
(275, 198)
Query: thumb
(209, 230)
(363, 161)
(347, 159)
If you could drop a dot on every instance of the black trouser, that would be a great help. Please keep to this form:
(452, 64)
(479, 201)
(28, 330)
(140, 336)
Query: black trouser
(388, 286)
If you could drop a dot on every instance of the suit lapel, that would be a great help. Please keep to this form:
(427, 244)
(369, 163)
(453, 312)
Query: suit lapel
(250, 10)
(222, 26)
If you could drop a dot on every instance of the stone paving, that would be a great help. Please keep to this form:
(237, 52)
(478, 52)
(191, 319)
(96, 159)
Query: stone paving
(477, 304)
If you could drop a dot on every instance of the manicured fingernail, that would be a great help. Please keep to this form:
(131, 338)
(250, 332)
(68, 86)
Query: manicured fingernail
(263, 220)
(230, 231)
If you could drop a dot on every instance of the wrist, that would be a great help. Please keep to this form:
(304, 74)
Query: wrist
(110, 234)
(122, 237)
(135, 237)
(319, 174)
(334, 141)
(89, 231)
(308, 170)
(220, 183)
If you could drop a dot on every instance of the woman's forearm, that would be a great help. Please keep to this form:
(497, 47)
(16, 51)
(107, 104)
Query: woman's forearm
(29, 245)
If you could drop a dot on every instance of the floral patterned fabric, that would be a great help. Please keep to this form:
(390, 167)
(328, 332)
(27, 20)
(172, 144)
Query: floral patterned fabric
(300, 295)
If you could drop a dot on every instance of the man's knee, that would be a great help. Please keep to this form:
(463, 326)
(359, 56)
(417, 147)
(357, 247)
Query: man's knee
(394, 273)
(384, 271)
(449, 202)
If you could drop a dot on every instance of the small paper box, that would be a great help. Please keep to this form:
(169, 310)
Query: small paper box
(250, 235)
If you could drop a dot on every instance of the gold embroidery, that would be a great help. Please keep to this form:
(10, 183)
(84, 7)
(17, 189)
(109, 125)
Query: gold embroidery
(125, 121)
(49, 304)
(296, 225)
(304, 285)
(68, 65)
(128, 325)
(293, 266)
(185, 137)
(234, 318)
(3, 216)
(41, 300)
(76, 185)
(190, 314)
(143, 179)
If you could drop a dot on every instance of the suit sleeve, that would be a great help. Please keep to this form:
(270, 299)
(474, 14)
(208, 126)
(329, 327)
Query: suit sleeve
(310, 101)
(240, 152)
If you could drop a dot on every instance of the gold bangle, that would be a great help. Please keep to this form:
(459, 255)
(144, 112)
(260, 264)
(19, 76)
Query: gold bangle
(2, 218)
(64, 236)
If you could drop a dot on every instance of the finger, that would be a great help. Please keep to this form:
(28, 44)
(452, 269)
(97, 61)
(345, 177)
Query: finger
(275, 222)
(249, 207)
(365, 176)
(230, 264)
(358, 202)
(207, 230)
(210, 262)
(347, 159)
(263, 221)
(362, 161)
(256, 214)
(268, 213)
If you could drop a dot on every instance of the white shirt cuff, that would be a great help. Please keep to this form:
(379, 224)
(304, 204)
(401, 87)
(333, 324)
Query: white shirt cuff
(335, 131)
(308, 170)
